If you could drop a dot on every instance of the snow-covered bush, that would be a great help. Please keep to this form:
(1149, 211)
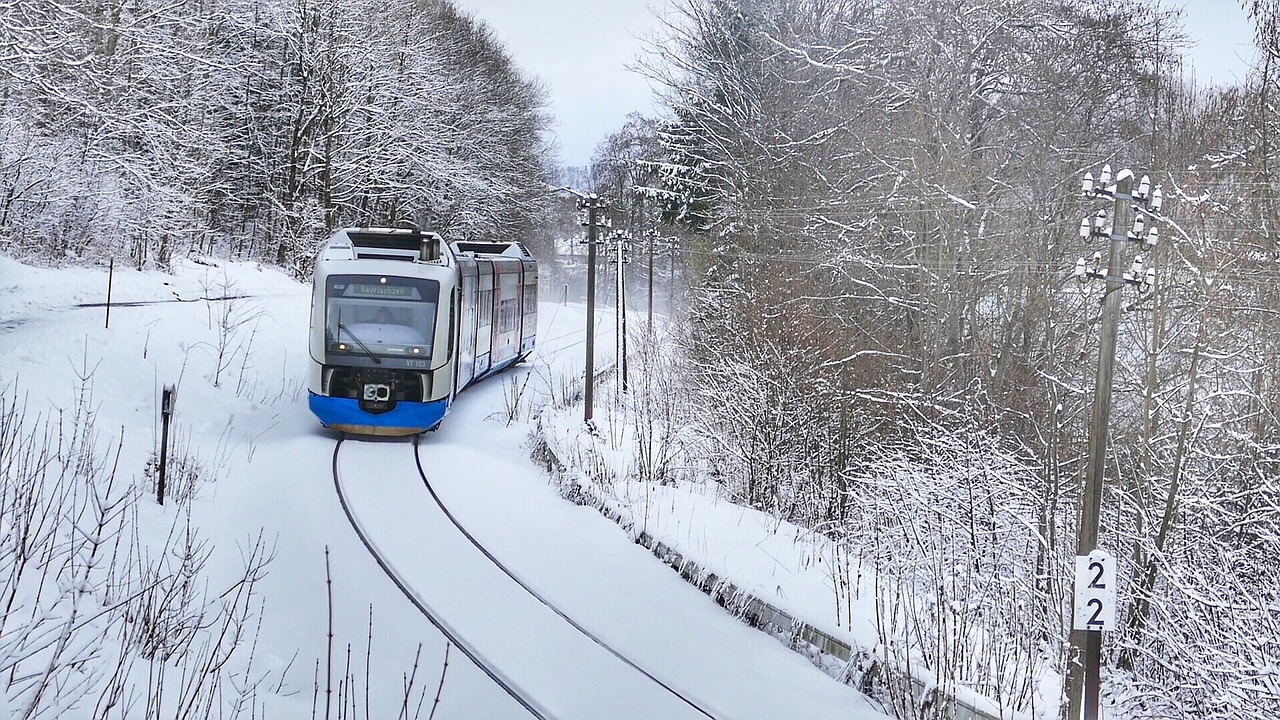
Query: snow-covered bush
(959, 596)
(97, 619)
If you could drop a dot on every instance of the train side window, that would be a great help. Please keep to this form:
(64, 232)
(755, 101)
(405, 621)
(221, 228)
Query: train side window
(486, 308)
(507, 314)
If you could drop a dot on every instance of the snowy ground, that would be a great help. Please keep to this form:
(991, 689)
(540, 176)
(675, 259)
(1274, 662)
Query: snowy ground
(241, 416)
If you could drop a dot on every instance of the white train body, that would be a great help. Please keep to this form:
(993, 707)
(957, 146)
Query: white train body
(401, 321)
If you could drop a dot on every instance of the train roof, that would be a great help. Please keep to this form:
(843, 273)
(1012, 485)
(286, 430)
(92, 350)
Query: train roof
(411, 244)
(383, 243)
(510, 249)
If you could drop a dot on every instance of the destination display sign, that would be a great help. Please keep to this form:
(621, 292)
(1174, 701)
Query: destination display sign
(366, 290)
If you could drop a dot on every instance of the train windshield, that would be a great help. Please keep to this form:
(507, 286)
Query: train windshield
(380, 316)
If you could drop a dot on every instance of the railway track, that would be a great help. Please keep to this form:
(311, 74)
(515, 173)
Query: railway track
(512, 686)
(520, 695)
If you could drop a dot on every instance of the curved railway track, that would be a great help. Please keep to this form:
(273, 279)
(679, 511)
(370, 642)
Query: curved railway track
(417, 457)
(518, 694)
(508, 685)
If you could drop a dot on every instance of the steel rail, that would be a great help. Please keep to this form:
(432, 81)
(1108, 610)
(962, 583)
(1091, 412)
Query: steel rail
(508, 685)
(542, 599)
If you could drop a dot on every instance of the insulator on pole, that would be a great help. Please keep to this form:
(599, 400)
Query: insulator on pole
(1136, 268)
(1152, 238)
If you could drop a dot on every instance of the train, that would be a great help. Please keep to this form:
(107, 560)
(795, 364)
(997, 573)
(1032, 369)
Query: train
(403, 320)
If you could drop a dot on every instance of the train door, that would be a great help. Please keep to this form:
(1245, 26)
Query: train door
(455, 331)
(529, 307)
(506, 331)
(484, 321)
(470, 315)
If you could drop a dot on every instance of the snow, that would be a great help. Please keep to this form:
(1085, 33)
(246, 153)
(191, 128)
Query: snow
(794, 569)
(264, 474)
(788, 566)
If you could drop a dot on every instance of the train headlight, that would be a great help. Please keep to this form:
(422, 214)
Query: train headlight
(342, 346)
(417, 350)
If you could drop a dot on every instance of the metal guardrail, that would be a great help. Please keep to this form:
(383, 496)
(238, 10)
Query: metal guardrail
(851, 665)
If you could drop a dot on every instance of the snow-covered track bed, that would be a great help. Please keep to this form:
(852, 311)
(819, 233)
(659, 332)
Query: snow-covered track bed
(434, 617)
(549, 663)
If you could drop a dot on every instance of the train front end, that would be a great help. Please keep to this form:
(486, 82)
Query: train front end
(381, 332)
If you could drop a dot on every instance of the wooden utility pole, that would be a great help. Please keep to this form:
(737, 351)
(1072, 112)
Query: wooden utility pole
(1085, 662)
(1090, 516)
(620, 306)
(652, 240)
(593, 204)
(671, 277)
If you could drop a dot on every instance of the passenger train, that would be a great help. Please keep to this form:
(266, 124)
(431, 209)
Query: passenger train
(402, 320)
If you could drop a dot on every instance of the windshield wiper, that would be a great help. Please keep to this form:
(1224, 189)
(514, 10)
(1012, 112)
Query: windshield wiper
(343, 328)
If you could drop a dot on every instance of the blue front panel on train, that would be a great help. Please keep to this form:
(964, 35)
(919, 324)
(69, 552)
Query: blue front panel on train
(345, 414)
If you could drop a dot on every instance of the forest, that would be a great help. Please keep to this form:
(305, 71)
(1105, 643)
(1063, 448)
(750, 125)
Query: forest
(876, 207)
(879, 206)
(136, 129)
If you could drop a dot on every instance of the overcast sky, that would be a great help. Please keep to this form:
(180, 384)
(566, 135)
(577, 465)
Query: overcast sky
(582, 50)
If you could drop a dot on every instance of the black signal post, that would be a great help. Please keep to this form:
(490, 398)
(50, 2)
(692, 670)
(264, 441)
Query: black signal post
(166, 415)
